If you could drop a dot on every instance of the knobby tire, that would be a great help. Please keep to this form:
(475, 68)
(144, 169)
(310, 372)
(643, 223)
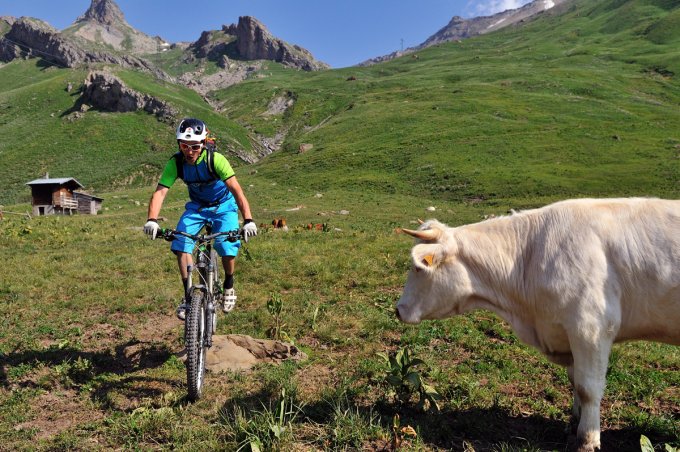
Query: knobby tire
(196, 351)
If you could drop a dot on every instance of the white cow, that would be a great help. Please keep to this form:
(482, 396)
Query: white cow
(571, 279)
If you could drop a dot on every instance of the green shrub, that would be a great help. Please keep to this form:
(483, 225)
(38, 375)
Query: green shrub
(405, 381)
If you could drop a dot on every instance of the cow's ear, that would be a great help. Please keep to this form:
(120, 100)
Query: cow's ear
(427, 256)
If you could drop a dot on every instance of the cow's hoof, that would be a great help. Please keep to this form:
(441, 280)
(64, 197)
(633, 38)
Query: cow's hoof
(588, 447)
(574, 444)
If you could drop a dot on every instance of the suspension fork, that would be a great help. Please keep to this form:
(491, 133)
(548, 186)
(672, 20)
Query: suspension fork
(190, 284)
(209, 297)
(204, 263)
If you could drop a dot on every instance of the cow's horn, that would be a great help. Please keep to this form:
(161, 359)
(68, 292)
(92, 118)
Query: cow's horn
(420, 221)
(425, 234)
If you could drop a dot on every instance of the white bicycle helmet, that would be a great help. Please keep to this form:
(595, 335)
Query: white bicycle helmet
(191, 129)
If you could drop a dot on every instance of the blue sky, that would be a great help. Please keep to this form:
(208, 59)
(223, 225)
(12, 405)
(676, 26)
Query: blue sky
(341, 32)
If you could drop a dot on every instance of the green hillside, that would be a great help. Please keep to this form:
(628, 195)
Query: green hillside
(579, 101)
(584, 102)
(101, 150)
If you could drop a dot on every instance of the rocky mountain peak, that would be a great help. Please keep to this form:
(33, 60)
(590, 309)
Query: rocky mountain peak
(105, 12)
(104, 26)
(250, 40)
(255, 42)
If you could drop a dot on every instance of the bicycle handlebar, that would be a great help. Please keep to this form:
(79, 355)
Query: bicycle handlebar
(232, 236)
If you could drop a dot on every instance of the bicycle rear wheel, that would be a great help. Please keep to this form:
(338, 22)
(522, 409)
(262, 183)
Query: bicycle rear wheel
(196, 350)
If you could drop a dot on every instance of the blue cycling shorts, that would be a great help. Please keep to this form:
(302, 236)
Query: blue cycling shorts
(224, 217)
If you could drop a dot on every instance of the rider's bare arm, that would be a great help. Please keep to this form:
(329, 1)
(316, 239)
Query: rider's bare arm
(241, 200)
(156, 201)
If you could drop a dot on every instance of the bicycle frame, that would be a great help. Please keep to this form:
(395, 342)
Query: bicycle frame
(202, 256)
(199, 323)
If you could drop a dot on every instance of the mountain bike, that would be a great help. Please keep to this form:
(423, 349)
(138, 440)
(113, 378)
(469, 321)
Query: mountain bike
(200, 319)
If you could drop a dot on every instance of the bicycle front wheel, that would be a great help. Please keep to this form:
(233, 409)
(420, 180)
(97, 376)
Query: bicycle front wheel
(196, 347)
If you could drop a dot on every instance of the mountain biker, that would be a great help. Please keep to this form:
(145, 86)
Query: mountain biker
(214, 194)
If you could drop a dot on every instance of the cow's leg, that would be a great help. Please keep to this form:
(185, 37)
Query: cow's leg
(576, 407)
(589, 377)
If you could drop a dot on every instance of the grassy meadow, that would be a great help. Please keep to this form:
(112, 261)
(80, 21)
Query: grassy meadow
(582, 104)
(89, 342)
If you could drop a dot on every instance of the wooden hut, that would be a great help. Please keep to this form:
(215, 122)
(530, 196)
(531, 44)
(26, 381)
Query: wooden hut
(58, 196)
(88, 204)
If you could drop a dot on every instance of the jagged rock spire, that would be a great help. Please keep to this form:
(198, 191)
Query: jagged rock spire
(104, 25)
(105, 12)
(255, 42)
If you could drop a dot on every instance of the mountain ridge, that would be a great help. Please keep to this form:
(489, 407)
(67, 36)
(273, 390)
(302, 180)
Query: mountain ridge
(459, 28)
(103, 32)
(30, 37)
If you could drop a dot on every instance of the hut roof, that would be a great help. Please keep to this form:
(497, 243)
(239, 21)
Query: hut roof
(57, 181)
(87, 195)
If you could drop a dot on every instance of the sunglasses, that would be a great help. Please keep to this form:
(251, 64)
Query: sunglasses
(190, 147)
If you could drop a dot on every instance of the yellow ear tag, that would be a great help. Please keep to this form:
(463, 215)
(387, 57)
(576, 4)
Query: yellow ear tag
(427, 260)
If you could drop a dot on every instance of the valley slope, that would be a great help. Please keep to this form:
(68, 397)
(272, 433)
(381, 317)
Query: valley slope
(582, 103)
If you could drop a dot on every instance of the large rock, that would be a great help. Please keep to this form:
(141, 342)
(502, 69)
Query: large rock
(241, 352)
(108, 93)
